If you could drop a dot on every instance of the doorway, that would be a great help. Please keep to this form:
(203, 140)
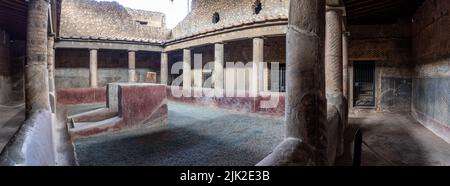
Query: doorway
(364, 84)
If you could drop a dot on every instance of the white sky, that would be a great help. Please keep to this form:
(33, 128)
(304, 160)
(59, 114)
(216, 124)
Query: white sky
(175, 11)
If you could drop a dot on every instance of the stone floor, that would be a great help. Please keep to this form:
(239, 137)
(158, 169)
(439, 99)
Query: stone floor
(195, 136)
(211, 136)
(10, 120)
(397, 139)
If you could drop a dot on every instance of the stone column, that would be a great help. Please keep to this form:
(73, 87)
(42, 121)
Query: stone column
(198, 72)
(266, 74)
(219, 66)
(131, 66)
(333, 53)
(93, 68)
(36, 72)
(257, 73)
(51, 63)
(305, 90)
(187, 70)
(164, 68)
(51, 71)
(345, 64)
(334, 70)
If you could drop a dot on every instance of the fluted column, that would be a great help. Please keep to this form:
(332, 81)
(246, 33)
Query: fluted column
(333, 53)
(51, 71)
(51, 62)
(334, 70)
(345, 64)
(36, 71)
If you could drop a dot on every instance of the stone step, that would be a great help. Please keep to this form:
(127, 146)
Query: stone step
(86, 113)
(82, 126)
(93, 116)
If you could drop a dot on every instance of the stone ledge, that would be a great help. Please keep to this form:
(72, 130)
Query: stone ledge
(32, 145)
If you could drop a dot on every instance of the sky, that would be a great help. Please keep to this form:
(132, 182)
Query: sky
(175, 11)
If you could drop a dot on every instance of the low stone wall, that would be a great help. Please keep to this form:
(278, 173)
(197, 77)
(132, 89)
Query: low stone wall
(241, 104)
(142, 105)
(139, 106)
(32, 145)
(75, 96)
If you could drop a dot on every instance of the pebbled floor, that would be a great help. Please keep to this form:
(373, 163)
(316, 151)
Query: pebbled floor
(195, 136)
(203, 136)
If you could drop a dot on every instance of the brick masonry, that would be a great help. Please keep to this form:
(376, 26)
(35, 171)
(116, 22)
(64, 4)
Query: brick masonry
(88, 18)
(231, 13)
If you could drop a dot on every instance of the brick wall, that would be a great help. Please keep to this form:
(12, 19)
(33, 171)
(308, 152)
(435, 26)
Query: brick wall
(82, 18)
(230, 12)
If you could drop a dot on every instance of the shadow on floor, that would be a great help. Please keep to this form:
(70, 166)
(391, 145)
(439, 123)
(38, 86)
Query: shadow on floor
(397, 139)
(10, 122)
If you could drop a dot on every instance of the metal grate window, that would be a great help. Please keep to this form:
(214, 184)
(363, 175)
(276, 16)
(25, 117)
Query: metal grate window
(283, 78)
(280, 85)
(364, 84)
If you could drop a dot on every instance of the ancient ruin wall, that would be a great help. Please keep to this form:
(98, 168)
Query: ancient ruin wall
(231, 13)
(72, 67)
(89, 18)
(390, 47)
(431, 49)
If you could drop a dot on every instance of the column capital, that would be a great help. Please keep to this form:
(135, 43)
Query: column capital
(132, 50)
(93, 49)
(261, 37)
(339, 9)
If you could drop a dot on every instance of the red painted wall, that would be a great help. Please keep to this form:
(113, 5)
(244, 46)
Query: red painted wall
(75, 96)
